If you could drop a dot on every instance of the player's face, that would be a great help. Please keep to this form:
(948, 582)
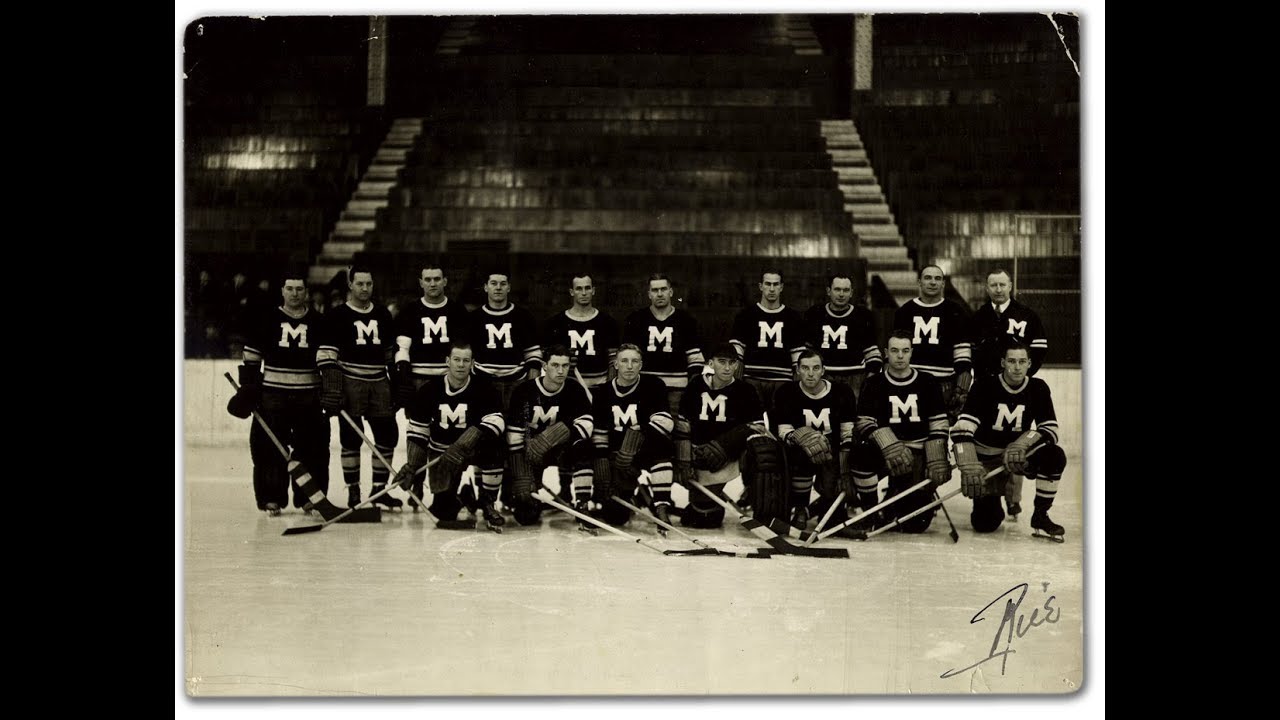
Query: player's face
(771, 287)
(294, 293)
(840, 293)
(1015, 364)
(582, 291)
(555, 371)
(432, 283)
(659, 293)
(497, 287)
(899, 352)
(932, 282)
(724, 368)
(998, 287)
(459, 364)
(629, 364)
(361, 287)
(811, 373)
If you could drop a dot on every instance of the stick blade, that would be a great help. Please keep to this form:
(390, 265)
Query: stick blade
(364, 515)
(301, 529)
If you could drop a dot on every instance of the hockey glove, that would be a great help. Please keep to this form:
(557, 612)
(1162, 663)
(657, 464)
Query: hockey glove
(936, 465)
(897, 457)
(972, 473)
(1015, 455)
(249, 396)
(331, 389)
(813, 443)
(710, 457)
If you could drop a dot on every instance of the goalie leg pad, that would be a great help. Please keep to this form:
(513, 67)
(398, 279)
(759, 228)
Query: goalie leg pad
(764, 474)
(521, 479)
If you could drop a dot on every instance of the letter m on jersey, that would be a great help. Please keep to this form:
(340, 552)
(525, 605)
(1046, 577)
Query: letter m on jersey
(770, 331)
(835, 335)
(624, 418)
(1018, 327)
(453, 416)
(820, 422)
(543, 417)
(660, 336)
(926, 330)
(498, 333)
(367, 332)
(586, 340)
(710, 405)
(1012, 416)
(288, 333)
(904, 410)
(439, 327)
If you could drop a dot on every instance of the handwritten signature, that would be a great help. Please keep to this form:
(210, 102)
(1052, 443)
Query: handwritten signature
(1012, 622)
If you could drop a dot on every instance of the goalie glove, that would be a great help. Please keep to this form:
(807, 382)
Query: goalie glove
(897, 457)
(1015, 455)
(710, 457)
(331, 389)
(936, 465)
(249, 396)
(972, 473)
(632, 440)
(546, 441)
(813, 443)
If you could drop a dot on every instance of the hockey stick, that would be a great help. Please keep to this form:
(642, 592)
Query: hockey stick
(387, 464)
(317, 528)
(994, 472)
(703, 548)
(955, 536)
(814, 537)
(301, 476)
(549, 498)
(778, 543)
(826, 517)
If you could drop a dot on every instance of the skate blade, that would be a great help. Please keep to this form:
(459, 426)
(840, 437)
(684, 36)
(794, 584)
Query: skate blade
(591, 530)
(1046, 536)
(494, 528)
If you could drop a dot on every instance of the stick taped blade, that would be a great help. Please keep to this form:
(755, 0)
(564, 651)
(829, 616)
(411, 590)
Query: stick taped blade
(300, 529)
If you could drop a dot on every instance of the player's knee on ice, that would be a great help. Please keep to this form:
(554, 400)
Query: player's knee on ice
(987, 514)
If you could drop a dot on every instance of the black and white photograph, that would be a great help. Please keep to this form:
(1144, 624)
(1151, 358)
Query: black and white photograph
(619, 353)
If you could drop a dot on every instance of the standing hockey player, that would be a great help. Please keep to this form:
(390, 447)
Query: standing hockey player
(633, 430)
(589, 333)
(728, 436)
(278, 377)
(940, 338)
(549, 423)
(1002, 421)
(353, 358)
(845, 335)
(458, 416)
(424, 331)
(668, 338)
(769, 337)
(815, 422)
(902, 432)
(504, 338)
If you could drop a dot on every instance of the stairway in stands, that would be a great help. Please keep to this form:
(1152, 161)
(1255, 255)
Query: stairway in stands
(360, 214)
(879, 240)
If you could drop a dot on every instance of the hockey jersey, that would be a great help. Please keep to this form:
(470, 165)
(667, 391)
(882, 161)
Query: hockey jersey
(593, 342)
(711, 412)
(439, 414)
(831, 412)
(362, 342)
(769, 341)
(995, 414)
(618, 408)
(911, 407)
(990, 327)
(534, 409)
(504, 342)
(846, 341)
(670, 347)
(285, 347)
(940, 339)
(427, 330)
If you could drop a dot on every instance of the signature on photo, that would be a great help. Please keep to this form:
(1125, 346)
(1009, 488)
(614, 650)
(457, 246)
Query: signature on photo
(1012, 622)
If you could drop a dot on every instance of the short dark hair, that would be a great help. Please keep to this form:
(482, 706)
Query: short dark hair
(556, 349)
(771, 271)
(659, 276)
(293, 272)
(358, 268)
(1013, 342)
(807, 353)
(433, 265)
(724, 350)
(930, 265)
(831, 279)
(901, 335)
(459, 345)
(999, 271)
(576, 275)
